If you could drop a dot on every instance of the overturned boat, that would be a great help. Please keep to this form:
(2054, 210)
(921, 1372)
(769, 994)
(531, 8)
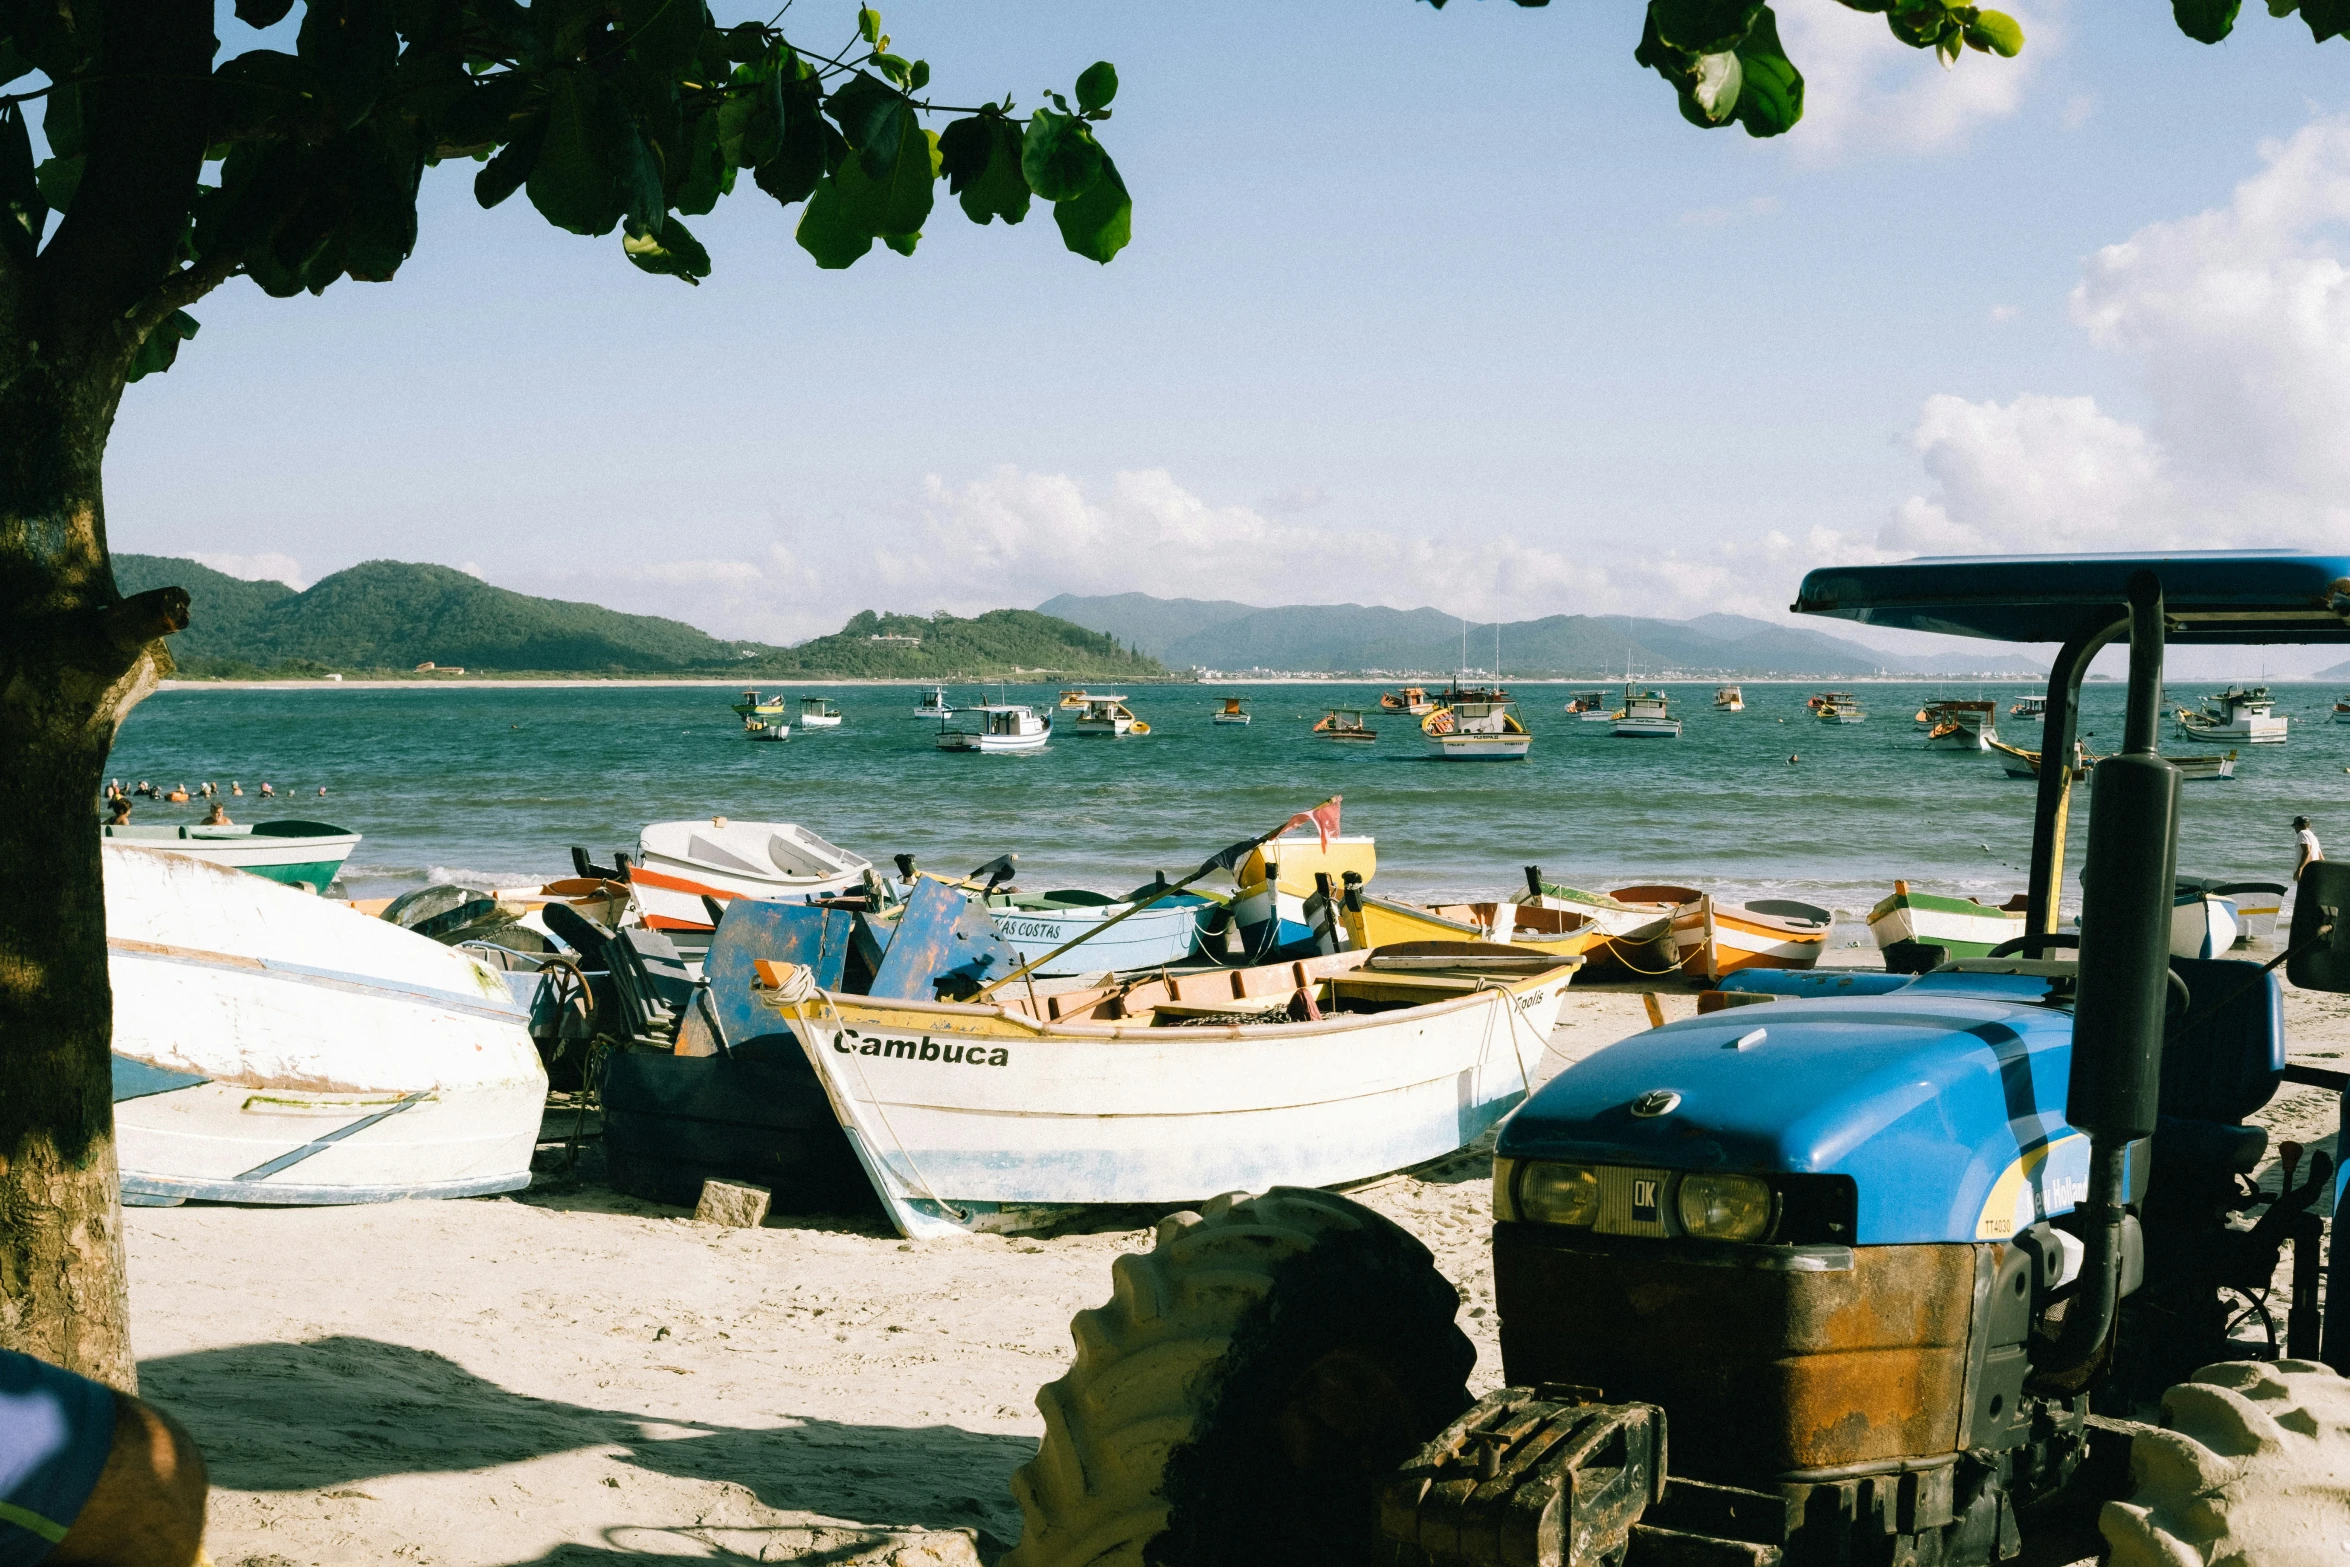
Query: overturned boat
(273, 1047)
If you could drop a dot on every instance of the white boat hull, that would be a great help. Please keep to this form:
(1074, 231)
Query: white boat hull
(961, 740)
(820, 720)
(681, 863)
(969, 1119)
(1646, 728)
(274, 1048)
(312, 862)
(1478, 748)
(2205, 926)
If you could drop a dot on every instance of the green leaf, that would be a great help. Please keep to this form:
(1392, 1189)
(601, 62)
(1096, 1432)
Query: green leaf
(903, 244)
(897, 69)
(1097, 223)
(665, 34)
(351, 48)
(57, 180)
(810, 146)
(1097, 84)
(873, 117)
(1995, 32)
(503, 175)
(61, 120)
(919, 77)
(830, 229)
(1710, 97)
(910, 184)
(1703, 26)
(673, 253)
(161, 345)
(981, 159)
(1770, 99)
(263, 13)
(704, 178)
(1059, 157)
(2326, 18)
(574, 183)
(23, 214)
(869, 24)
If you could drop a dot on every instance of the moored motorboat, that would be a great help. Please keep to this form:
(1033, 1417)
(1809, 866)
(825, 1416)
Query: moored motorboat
(308, 855)
(2017, 762)
(2029, 709)
(2240, 713)
(1413, 700)
(1822, 699)
(1961, 927)
(1845, 710)
(1476, 731)
(679, 864)
(1073, 701)
(1645, 715)
(997, 726)
(2204, 767)
(1345, 725)
(770, 733)
(1233, 711)
(1730, 699)
(817, 713)
(2342, 710)
(1106, 717)
(1591, 707)
(753, 705)
(272, 1047)
(934, 703)
(1960, 726)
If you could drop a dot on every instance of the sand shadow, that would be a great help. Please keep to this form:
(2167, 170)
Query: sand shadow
(640, 1545)
(337, 1411)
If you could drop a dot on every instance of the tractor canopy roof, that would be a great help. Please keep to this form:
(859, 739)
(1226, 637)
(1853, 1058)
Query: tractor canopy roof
(2208, 595)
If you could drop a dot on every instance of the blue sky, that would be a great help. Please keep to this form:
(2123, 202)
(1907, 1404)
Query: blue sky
(1421, 307)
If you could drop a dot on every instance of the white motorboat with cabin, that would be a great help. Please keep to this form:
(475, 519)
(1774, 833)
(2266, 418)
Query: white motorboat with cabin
(1730, 699)
(934, 703)
(1960, 726)
(1645, 715)
(1469, 731)
(1234, 710)
(997, 726)
(2244, 714)
(1108, 717)
(817, 713)
(274, 1047)
(1591, 707)
(681, 863)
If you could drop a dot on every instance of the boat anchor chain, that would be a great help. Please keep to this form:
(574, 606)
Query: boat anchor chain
(1551, 1476)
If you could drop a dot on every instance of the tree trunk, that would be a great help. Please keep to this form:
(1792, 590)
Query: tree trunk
(74, 658)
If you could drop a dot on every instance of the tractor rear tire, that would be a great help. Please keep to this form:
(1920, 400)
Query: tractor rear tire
(1249, 1384)
(2252, 1469)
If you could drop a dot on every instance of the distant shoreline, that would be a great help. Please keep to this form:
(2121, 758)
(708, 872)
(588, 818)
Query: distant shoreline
(469, 683)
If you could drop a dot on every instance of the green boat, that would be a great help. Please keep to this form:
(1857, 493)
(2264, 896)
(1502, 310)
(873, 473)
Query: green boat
(1962, 927)
(308, 855)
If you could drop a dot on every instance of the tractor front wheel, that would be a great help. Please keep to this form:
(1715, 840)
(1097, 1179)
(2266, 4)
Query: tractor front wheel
(1249, 1384)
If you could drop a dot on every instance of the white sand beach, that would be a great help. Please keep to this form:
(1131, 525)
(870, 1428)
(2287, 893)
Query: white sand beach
(586, 1379)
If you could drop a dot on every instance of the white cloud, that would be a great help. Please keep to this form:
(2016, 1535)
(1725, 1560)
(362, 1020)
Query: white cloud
(2036, 474)
(2004, 312)
(472, 568)
(1865, 88)
(265, 567)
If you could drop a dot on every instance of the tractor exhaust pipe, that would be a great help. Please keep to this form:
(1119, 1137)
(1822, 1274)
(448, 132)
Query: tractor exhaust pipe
(2118, 1016)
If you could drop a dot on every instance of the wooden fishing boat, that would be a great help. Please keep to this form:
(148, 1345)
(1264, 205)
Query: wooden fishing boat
(1345, 725)
(1476, 731)
(934, 703)
(1277, 907)
(681, 863)
(761, 730)
(1636, 936)
(1730, 699)
(1712, 938)
(273, 1047)
(2258, 903)
(1234, 711)
(1591, 707)
(2017, 762)
(1814, 703)
(817, 713)
(1107, 717)
(1074, 701)
(1413, 700)
(308, 855)
(753, 705)
(1005, 1115)
(1381, 922)
(1846, 711)
(2203, 924)
(1645, 715)
(2240, 713)
(2029, 709)
(1960, 726)
(1037, 923)
(1962, 927)
(997, 726)
(2342, 710)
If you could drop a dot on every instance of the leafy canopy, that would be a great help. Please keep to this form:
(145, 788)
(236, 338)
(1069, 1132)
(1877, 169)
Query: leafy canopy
(634, 115)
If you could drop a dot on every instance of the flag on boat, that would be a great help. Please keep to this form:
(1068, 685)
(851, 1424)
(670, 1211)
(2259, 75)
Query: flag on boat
(1322, 818)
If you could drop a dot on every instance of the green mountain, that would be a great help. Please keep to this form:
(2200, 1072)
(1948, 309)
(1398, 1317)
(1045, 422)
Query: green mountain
(386, 617)
(947, 647)
(1371, 638)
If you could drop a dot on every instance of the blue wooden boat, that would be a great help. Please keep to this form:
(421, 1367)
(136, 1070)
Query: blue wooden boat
(1167, 932)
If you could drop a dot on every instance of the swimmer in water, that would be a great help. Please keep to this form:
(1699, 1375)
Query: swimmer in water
(219, 816)
(122, 812)
(236, 788)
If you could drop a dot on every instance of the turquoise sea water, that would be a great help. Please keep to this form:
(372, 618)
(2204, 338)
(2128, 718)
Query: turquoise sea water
(483, 783)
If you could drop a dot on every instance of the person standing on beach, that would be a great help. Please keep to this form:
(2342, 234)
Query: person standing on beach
(2305, 840)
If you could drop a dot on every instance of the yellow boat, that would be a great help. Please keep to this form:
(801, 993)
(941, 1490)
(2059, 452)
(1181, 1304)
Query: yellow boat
(1380, 922)
(1071, 701)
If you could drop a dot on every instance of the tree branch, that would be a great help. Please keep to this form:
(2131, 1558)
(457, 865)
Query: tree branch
(182, 289)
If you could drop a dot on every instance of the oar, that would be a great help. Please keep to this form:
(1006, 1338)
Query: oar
(1227, 860)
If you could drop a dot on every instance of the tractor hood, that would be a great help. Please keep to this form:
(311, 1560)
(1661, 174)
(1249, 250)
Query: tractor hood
(1942, 1100)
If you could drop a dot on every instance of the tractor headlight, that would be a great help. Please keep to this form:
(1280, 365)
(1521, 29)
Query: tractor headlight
(1725, 1207)
(1559, 1194)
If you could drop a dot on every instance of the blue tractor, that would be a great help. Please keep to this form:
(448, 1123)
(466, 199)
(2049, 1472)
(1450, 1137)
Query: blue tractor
(1892, 1271)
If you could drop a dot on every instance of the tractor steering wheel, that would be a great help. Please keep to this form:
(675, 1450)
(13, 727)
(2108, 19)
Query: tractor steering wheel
(2181, 999)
